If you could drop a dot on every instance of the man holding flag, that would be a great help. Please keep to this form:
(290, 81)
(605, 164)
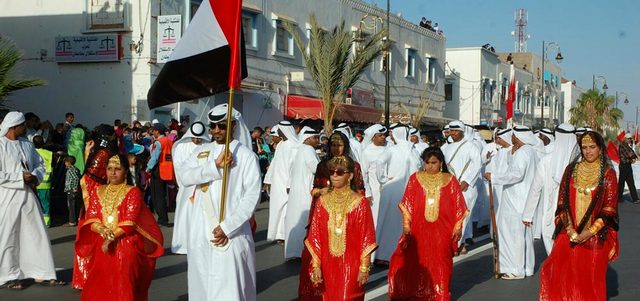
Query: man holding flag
(210, 59)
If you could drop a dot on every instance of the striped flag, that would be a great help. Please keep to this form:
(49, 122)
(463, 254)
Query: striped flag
(511, 94)
(209, 59)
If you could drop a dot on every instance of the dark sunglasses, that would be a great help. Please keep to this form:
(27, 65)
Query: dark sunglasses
(338, 172)
(221, 125)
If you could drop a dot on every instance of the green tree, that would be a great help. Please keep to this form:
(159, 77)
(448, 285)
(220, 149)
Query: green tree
(10, 55)
(595, 110)
(332, 65)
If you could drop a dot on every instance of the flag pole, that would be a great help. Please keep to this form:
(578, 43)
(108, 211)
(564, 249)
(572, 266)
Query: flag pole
(234, 82)
(225, 169)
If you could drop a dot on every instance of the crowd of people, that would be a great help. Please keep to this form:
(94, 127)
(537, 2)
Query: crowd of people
(337, 204)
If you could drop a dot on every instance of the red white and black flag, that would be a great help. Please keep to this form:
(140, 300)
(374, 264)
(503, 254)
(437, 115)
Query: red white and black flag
(511, 94)
(209, 59)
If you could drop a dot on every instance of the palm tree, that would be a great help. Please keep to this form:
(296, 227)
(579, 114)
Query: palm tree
(594, 109)
(330, 61)
(10, 55)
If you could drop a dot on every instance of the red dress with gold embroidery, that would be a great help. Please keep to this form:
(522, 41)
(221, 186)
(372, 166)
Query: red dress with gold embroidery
(340, 236)
(578, 271)
(306, 292)
(126, 270)
(421, 266)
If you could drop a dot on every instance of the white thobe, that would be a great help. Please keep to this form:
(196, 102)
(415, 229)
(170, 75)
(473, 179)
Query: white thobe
(372, 185)
(516, 240)
(216, 274)
(543, 194)
(499, 164)
(295, 221)
(25, 250)
(181, 153)
(465, 166)
(394, 167)
(278, 177)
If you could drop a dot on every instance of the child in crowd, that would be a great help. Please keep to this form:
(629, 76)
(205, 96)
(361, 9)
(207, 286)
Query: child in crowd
(72, 188)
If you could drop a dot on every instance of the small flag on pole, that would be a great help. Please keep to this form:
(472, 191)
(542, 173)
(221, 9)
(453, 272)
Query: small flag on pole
(209, 59)
(511, 94)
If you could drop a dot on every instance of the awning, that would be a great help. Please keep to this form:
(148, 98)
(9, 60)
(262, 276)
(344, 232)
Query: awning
(303, 107)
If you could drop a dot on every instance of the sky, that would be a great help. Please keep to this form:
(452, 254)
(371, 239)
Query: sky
(599, 38)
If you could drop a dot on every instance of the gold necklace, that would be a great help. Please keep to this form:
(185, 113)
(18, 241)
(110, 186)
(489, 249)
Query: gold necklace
(111, 198)
(338, 203)
(586, 176)
(431, 183)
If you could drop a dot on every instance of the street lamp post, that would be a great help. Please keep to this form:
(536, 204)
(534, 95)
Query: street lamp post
(387, 70)
(604, 79)
(544, 57)
(626, 98)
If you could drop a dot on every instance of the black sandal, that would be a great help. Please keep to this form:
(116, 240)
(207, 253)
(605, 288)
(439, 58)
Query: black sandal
(13, 285)
(50, 283)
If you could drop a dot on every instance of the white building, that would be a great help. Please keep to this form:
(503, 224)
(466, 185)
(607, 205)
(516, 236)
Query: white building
(116, 88)
(571, 94)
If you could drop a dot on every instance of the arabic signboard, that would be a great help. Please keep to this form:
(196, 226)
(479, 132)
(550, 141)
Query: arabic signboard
(89, 48)
(169, 33)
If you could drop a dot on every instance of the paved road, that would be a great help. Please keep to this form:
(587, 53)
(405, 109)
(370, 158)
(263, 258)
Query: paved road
(277, 280)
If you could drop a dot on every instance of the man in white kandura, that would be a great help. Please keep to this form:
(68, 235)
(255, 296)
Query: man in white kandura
(417, 141)
(25, 250)
(221, 255)
(373, 145)
(181, 153)
(516, 240)
(299, 203)
(546, 184)
(463, 160)
(500, 162)
(277, 180)
(394, 167)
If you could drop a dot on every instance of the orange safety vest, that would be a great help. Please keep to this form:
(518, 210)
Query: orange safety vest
(165, 162)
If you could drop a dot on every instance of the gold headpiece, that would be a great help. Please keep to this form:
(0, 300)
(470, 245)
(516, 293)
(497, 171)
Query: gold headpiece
(339, 161)
(115, 160)
(587, 140)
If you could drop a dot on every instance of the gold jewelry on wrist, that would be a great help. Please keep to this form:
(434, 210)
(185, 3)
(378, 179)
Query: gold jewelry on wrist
(365, 268)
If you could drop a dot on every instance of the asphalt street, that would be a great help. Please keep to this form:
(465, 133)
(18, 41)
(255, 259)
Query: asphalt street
(278, 280)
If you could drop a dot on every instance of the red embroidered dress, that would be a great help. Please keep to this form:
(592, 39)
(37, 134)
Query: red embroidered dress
(341, 236)
(578, 271)
(433, 209)
(126, 270)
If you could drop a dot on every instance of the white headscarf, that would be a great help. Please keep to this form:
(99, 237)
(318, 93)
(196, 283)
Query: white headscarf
(345, 129)
(274, 130)
(400, 133)
(307, 132)
(12, 119)
(549, 134)
(196, 130)
(241, 132)
(524, 134)
(287, 129)
(565, 150)
(505, 135)
(370, 132)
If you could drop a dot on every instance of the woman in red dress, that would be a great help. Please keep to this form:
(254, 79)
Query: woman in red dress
(338, 146)
(341, 237)
(120, 236)
(433, 209)
(586, 237)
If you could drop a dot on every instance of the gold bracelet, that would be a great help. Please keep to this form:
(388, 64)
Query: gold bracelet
(365, 268)
(593, 230)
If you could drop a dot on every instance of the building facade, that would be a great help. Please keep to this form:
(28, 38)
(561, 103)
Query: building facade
(116, 87)
(571, 94)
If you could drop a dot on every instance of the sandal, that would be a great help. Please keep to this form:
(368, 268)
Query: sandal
(52, 282)
(13, 285)
(509, 276)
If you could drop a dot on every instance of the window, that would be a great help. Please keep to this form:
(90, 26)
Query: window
(283, 41)
(250, 30)
(448, 92)
(410, 70)
(430, 67)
